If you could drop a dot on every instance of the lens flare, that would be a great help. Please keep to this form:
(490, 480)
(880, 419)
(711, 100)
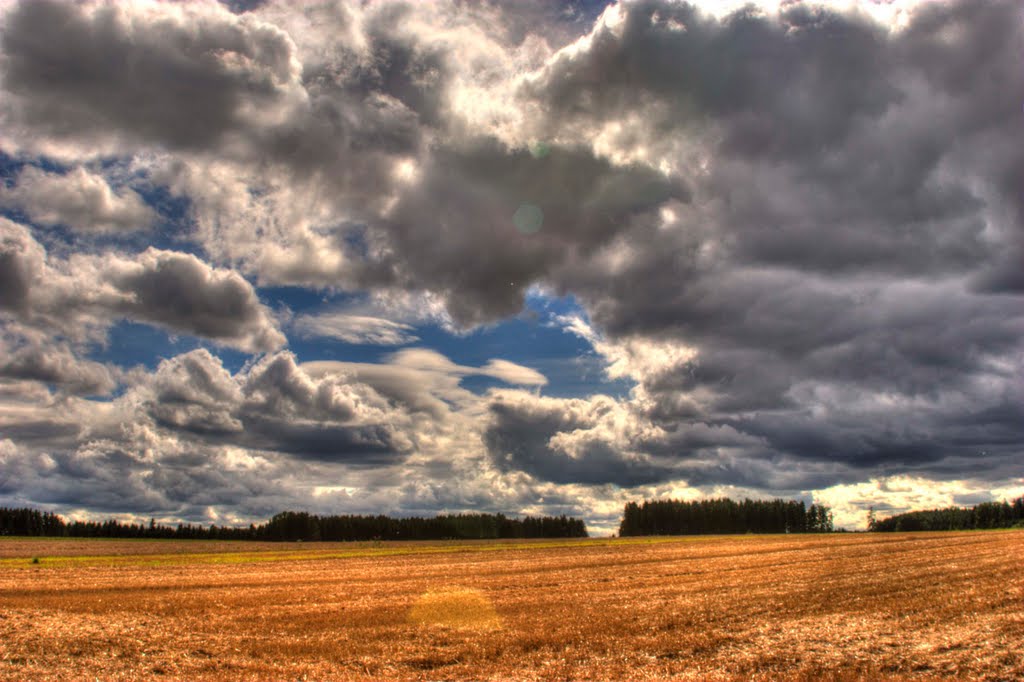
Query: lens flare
(455, 607)
(528, 218)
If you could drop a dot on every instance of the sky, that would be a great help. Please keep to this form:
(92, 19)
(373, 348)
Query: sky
(523, 257)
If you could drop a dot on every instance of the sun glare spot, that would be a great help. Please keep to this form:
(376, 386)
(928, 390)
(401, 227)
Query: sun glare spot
(455, 607)
(406, 171)
(668, 216)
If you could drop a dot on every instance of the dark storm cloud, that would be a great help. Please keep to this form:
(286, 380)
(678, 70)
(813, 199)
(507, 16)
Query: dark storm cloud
(760, 333)
(21, 257)
(789, 86)
(903, 438)
(519, 432)
(201, 81)
(46, 431)
(239, 6)
(471, 249)
(814, 123)
(14, 280)
(341, 123)
(414, 75)
(1005, 276)
(826, 211)
(177, 78)
(361, 446)
(842, 241)
(910, 377)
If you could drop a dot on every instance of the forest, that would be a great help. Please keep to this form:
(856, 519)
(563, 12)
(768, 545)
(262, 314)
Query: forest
(984, 515)
(302, 526)
(652, 517)
(723, 516)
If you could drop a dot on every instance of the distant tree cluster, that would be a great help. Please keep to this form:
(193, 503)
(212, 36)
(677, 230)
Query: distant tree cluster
(984, 515)
(723, 516)
(302, 526)
(32, 522)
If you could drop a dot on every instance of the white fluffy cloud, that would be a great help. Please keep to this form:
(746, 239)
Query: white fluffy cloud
(397, 436)
(79, 199)
(852, 502)
(81, 295)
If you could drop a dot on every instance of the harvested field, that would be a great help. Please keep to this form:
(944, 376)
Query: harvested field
(841, 607)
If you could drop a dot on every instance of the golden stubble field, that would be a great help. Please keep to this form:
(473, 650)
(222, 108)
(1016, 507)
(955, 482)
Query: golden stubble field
(842, 607)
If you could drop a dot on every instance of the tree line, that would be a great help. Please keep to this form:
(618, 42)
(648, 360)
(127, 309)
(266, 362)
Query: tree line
(723, 516)
(980, 516)
(302, 526)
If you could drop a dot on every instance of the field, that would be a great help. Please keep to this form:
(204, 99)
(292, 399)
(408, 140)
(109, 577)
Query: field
(840, 607)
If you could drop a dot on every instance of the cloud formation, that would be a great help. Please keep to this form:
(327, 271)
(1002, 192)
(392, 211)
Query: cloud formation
(33, 359)
(191, 433)
(355, 329)
(792, 231)
(181, 76)
(81, 295)
(79, 199)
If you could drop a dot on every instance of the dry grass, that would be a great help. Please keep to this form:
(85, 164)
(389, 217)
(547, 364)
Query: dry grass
(841, 608)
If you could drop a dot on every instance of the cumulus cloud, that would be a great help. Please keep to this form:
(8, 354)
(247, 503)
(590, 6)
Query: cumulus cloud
(581, 201)
(79, 199)
(191, 435)
(180, 291)
(897, 494)
(569, 441)
(361, 414)
(86, 292)
(56, 364)
(636, 358)
(349, 118)
(825, 291)
(182, 76)
(274, 405)
(794, 229)
(326, 418)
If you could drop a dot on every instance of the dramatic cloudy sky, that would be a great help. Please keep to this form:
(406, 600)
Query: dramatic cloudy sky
(527, 257)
